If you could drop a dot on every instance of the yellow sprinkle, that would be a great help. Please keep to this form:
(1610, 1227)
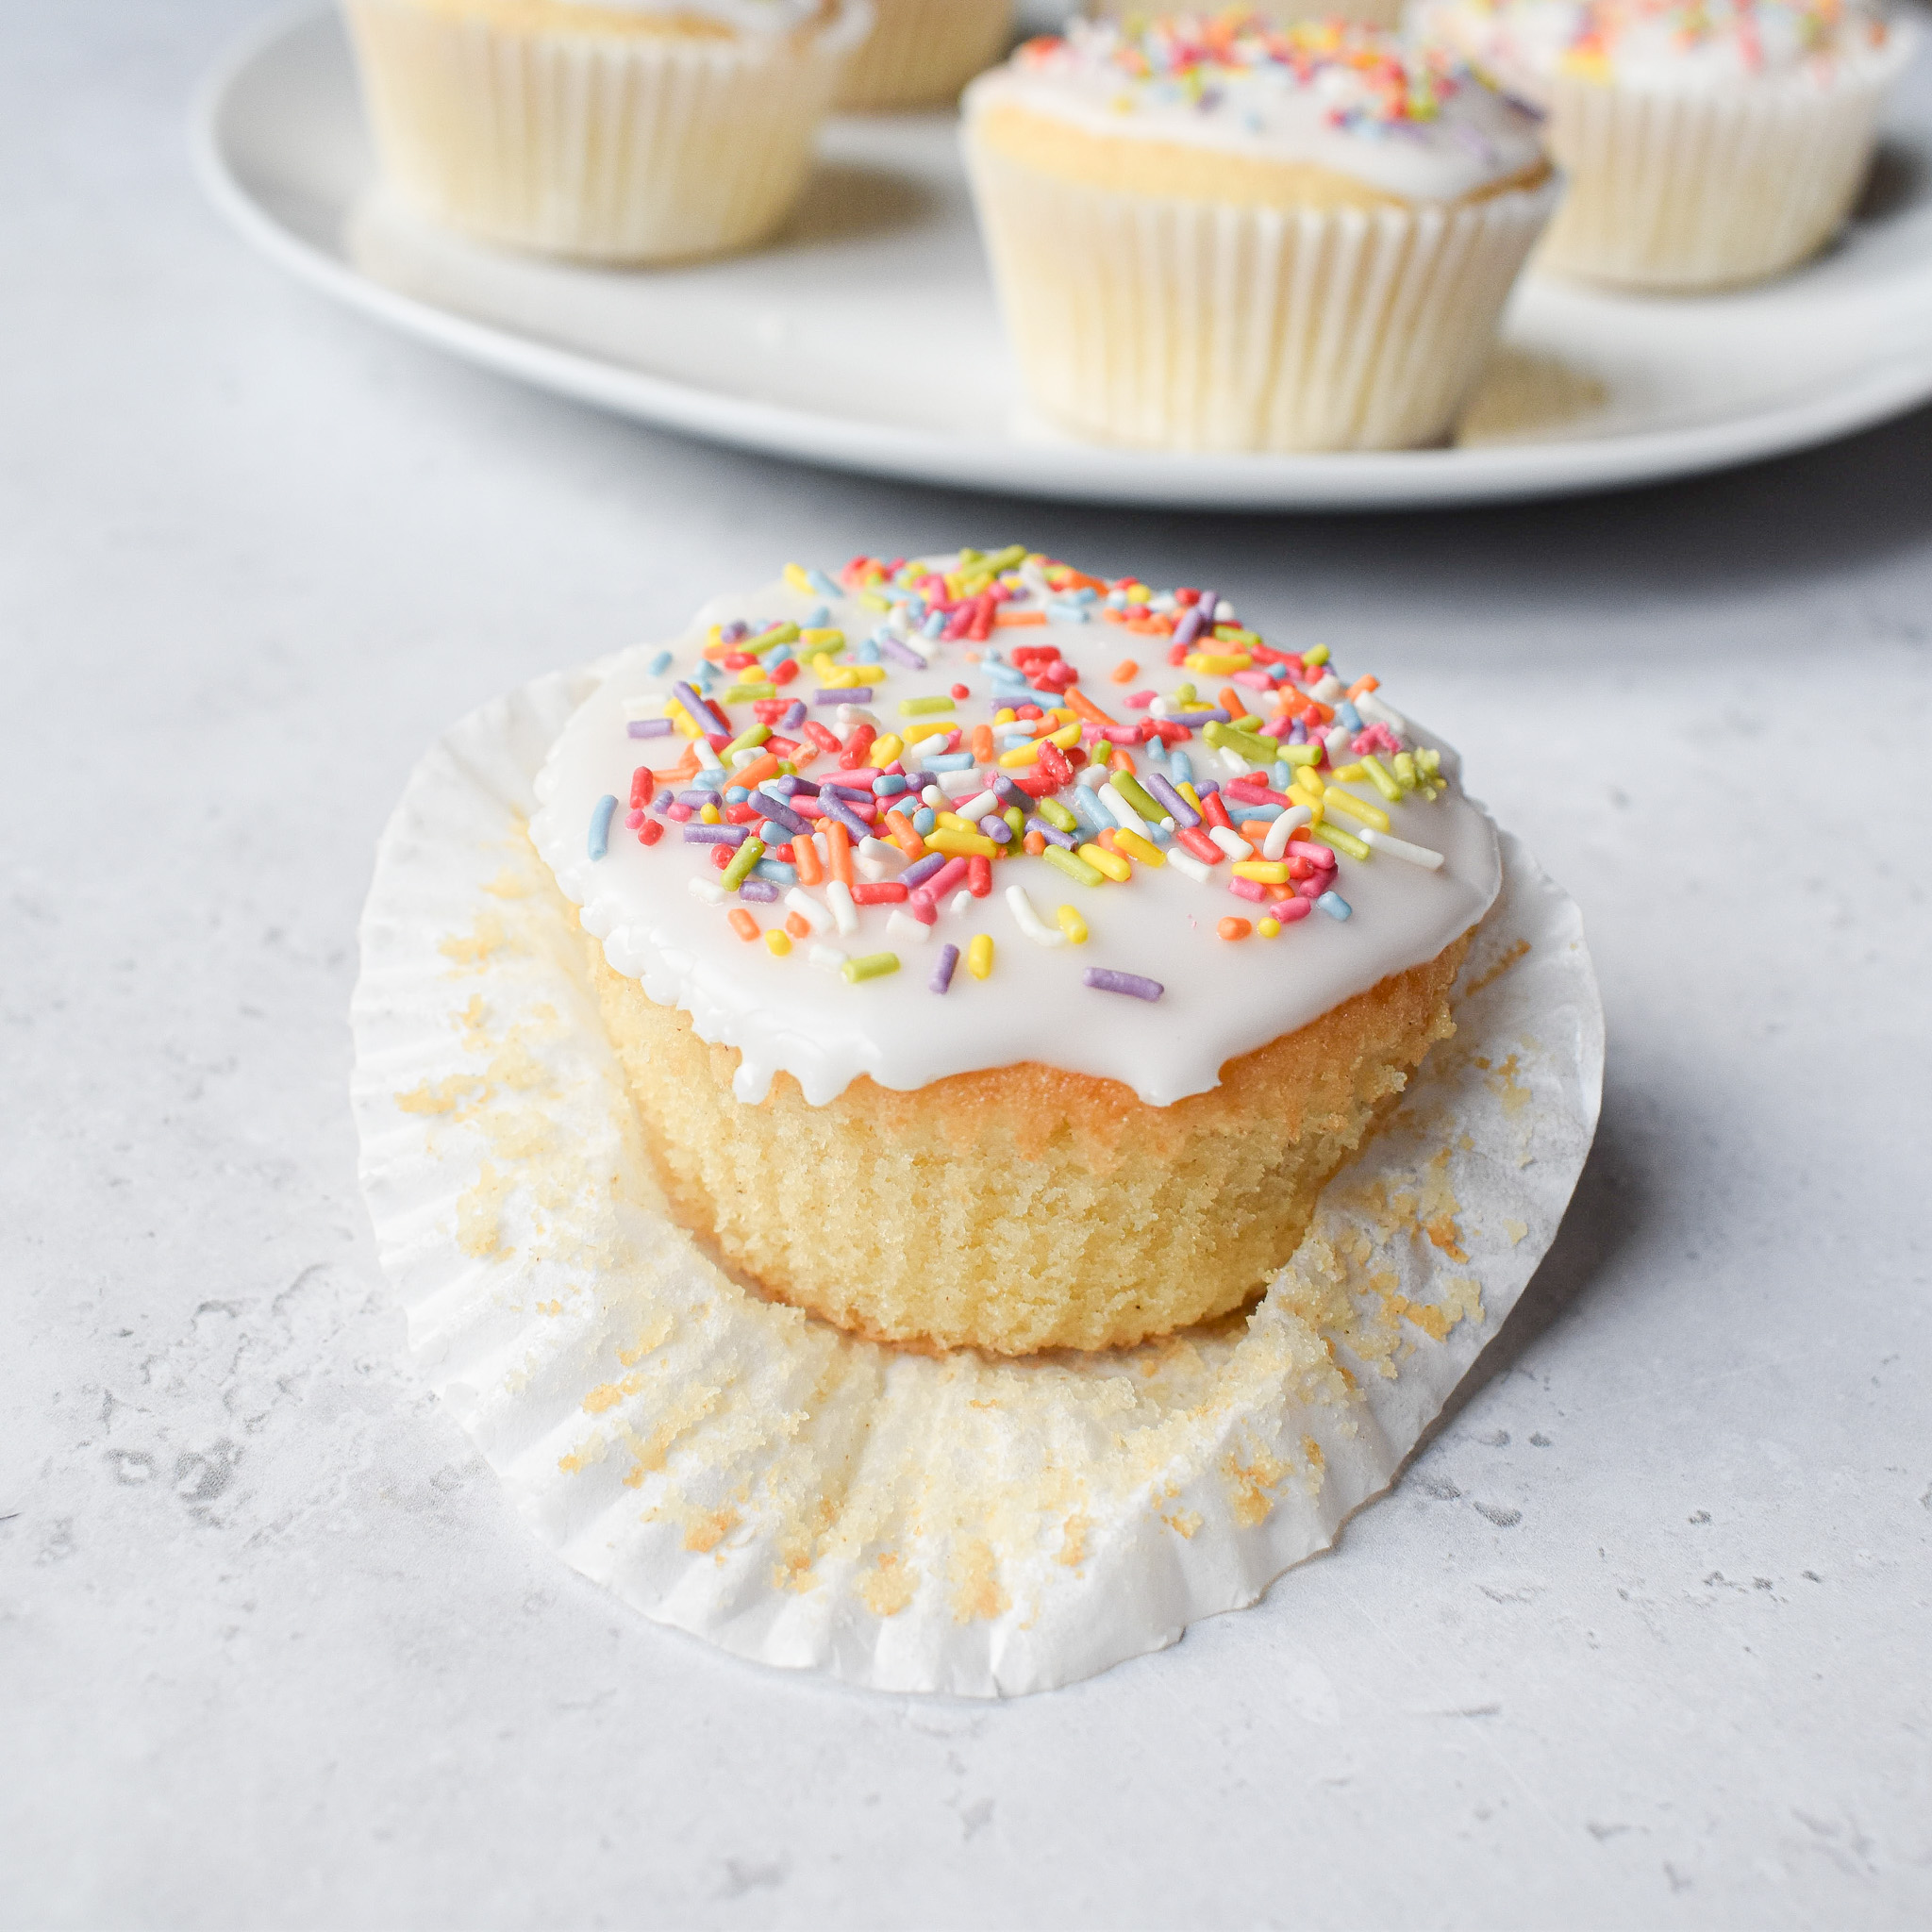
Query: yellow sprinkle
(1268, 929)
(912, 734)
(1073, 924)
(1218, 663)
(777, 942)
(886, 749)
(980, 955)
(1137, 847)
(872, 601)
(1266, 872)
(954, 823)
(822, 639)
(961, 844)
(1139, 594)
(1351, 775)
(1335, 799)
(1021, 754)
(709, 815)
(680, 717)
(1111, 864)
(1006, 716)
(1189, 792)
(796, 578)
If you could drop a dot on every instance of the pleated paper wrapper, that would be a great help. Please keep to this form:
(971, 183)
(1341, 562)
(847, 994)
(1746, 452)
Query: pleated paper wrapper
(910, 1522)
(920, 52)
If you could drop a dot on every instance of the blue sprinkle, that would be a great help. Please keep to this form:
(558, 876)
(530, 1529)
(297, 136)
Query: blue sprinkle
(777, 871)
(1087, 811)
(1241, 814)
(819, 618)
(934, 623)
(867, 653)
(781, 654)
(735, 794)
(659, 664)
(1280, 775)
(1181, 765)
(887, 785)
(601, 815)
(1333, 905)
(1345, 713)
(923, 820)
(948, 761)
(823, 584)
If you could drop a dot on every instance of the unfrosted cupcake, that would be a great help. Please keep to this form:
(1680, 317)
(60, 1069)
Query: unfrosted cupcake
(1001, 957)
(1212, 233)
(920, 52)
(1704, 144)
(610, 130)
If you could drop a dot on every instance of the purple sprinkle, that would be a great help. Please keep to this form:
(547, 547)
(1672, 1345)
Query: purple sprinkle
(1106, 980)
(942, 969)
(781, 815)
(996, 829)
(837, 809)
(716, 835)
(844, 694)
(1007, 792)
(662, 805)
(700, 708)
(790, 784)
(650, 728)
(1194, 720)
(1189, 628)
(1333, 905)
(890, 647)
(921, 870)
(838, 788)
(763, 889)
(795, 715)
(601, 815)
(1209, 602)
(697, 796)
(1203, 785)
(734, 630)
(1052, 835)
(1298, 733)
(1182, 813)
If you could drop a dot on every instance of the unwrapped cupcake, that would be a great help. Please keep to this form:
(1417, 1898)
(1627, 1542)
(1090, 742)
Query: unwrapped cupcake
(1704, 144)
(1214, 233)
(920, 52)
(609, 130)
(1004, 958)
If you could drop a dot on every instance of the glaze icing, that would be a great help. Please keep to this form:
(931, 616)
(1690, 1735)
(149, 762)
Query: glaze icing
(1045, 999)
(1356, 101)
(1684, 45)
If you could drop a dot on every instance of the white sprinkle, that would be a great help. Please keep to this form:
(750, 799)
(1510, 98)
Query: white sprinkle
(1124, 816)
(1230, 842)
(1340, 746)
(850, 715)
(1185, 862)
(1092, 776)
(1326, 687)
(959, 785)
(1234, 764)
(976, 808)
(908, 930)
(876, 860)
(1029, 921)
(844, 913)
(650, 705)
(829, 958)
(708, 759)
(1399, 848)
(808, 909)
(962, 900)
(1372, 708)
(1283, 829)
(709, 890)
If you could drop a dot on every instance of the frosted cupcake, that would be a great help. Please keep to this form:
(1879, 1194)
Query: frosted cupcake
(1216, 234)
(1285, 12)
(920, 52)
(610, 130)
(1704, 145)
(1001, 957)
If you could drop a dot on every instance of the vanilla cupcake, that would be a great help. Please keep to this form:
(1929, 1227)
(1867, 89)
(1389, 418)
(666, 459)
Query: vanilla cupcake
(920, 52)
(609, 130)
(1704, 145)
(1283, 12)
(1210, 233)
(978, 987)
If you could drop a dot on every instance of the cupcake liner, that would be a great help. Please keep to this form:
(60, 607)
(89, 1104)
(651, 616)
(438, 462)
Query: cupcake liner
(904, 1522)
(920, 52)
(1672, 189)
(608, 147)
(1185, 324)
(1357, 12)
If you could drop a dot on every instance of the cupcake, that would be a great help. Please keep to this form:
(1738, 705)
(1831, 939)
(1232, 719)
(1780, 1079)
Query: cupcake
(1213, 233)
(1000, 956)
(608, 130)
(1704, 145)
(1357, 12)
(920, 52)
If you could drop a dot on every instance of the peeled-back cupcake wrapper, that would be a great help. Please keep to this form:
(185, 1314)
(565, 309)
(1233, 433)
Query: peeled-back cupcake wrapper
(920, 52)
(613, 147)
(905, 1521)
(1186, 324)
(1682, 190)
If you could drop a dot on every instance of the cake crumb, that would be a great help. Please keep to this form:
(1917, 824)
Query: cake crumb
(979, 1594)
(887, 1590)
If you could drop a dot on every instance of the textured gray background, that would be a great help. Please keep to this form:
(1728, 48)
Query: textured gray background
(1641, 1639)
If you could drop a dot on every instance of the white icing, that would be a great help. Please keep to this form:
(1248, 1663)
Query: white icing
(1717, 45)
(1329, 115)
(1223, 998)
(752, 17)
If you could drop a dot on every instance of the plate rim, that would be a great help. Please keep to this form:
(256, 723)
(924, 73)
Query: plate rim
(1353, 480)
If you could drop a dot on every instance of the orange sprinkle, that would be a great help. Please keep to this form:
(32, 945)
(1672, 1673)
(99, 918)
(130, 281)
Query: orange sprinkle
(1105, 838)
(1123, 669)
(1119, 759)
(805, 856)
(797, 925)
(982, 744)
(1006, 620)
(1231, 701)
(743, 923)
(1233, 928)
(1035, 842)
(759, 769)
(1277, 893)
(1362, 685)
(904, 837)
(838, 851)
(1084, 706)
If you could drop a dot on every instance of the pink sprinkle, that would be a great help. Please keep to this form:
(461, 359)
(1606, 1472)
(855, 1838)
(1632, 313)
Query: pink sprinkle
(682, 813)
(1139, 701)
(1247, 889)
(1315, 855)
(1289, 910)
(633, 819)
(1253, 680)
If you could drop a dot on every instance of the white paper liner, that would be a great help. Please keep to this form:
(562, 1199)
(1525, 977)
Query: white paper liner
(1188, 324)
(605, 147)
(920, 52)
(907, 1523)
(1692, 189)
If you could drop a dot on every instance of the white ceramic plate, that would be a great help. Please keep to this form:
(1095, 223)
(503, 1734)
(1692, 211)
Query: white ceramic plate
(867, 338)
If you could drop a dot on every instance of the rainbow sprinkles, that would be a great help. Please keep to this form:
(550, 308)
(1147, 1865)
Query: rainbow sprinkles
(906, 752)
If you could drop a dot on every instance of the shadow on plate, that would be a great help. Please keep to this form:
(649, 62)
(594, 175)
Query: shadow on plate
(845, 201)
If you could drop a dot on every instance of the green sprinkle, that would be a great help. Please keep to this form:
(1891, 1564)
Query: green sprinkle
(1057, 816)
(744, 694)
(1004, 560)
(743, 861)
(1318, 655)
(873, 966)
(1428, 765)
(921, 707)
(1072, 865)
(1345, 842)
(1129, 788)
(1234, 634)
(1257, 750)
(1299, 754)
(769, 641)
(1016, 818)
(748, 739)
(1184, 694)
(1380, 779)
(1404, 771)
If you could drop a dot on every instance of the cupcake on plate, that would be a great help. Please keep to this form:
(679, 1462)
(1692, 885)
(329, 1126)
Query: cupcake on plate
(1704, 145)
(608, 130)
(1001, 956)
(1214, 233)
(920, 52)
